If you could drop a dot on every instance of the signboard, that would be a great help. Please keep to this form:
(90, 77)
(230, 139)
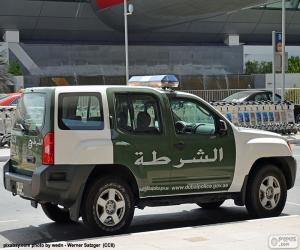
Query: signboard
(278, 42)
(104, 4)
(278, 61)
(277, 38)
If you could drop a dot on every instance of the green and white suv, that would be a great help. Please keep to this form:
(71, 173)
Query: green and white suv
(99, 152)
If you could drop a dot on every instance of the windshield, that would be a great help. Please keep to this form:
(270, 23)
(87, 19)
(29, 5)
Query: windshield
(277, 97)
(237, 97)
(30, 112)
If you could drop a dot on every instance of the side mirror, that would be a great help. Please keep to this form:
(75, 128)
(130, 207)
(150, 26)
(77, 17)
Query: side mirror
(223, 127)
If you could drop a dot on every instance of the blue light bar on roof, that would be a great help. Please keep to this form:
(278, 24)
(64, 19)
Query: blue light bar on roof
(156, 81)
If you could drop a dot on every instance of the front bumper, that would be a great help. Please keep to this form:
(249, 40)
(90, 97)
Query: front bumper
(57, 184)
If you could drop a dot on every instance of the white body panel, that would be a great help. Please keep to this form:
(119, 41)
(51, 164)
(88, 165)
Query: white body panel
(252, 145)
(83, 146)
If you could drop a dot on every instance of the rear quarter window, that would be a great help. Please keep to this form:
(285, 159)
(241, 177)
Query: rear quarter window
(80, 111)
(30, 111)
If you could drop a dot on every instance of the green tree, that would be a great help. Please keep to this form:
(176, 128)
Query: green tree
(294, 64)
(265, 67)
(5, 77)
(14, 68)
(293, 95)
(251, 67)
(255, 67)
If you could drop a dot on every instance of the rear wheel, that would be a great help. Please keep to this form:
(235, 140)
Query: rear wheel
(211, 205)
(298, 119)
(266, 192)
(56, 213)
(108, 206)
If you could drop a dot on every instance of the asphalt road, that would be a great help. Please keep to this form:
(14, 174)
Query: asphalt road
(20, 223)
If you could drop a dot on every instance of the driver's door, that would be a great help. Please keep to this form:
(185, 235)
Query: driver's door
(204, 159)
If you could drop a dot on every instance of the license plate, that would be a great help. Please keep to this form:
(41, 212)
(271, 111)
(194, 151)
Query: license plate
(19, 188)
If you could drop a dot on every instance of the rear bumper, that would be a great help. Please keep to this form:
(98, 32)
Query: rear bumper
(57, 184)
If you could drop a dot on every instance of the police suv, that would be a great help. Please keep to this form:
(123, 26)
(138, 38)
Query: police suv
(99, 152)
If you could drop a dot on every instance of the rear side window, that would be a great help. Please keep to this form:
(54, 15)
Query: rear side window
(80, 111)
(30, 111)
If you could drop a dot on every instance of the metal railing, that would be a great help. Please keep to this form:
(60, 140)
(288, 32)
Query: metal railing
(292, 94)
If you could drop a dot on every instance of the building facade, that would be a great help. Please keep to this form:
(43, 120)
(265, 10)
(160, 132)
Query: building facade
(200, 41)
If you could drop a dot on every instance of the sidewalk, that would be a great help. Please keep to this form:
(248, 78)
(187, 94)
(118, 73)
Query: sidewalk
(250, 234)
(295, 139)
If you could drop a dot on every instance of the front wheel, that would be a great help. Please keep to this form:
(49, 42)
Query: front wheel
(108, 206)
(266, 192)
(211, 205)
(55, 213)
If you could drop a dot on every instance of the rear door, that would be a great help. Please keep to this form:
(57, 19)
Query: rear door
(82, 129)
(28, 131)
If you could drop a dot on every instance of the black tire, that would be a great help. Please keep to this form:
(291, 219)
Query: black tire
(211, 205)
(298, 119)
(55, 213)
(255, 197)
(91, 211)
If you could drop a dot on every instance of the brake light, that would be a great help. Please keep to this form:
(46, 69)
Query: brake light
(48, 149)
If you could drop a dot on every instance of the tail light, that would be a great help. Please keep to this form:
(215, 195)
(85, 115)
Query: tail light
(48, 149)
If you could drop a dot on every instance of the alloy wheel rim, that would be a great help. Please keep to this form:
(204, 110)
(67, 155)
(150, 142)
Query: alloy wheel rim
(269, 193)
(110, 207)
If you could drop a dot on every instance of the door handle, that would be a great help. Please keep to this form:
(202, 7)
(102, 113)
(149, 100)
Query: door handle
(179, 145)
(122, 143)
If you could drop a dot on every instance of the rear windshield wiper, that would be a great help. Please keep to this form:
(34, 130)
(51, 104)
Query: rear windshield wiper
(20, 126)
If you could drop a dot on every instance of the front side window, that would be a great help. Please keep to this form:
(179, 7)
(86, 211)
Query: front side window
(191, 117)
(80, 111)
(277, 97)
(138, 113)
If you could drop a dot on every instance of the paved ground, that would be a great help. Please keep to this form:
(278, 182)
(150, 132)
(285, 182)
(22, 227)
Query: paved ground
(294, 138)
(246, 235)
(20, 223)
